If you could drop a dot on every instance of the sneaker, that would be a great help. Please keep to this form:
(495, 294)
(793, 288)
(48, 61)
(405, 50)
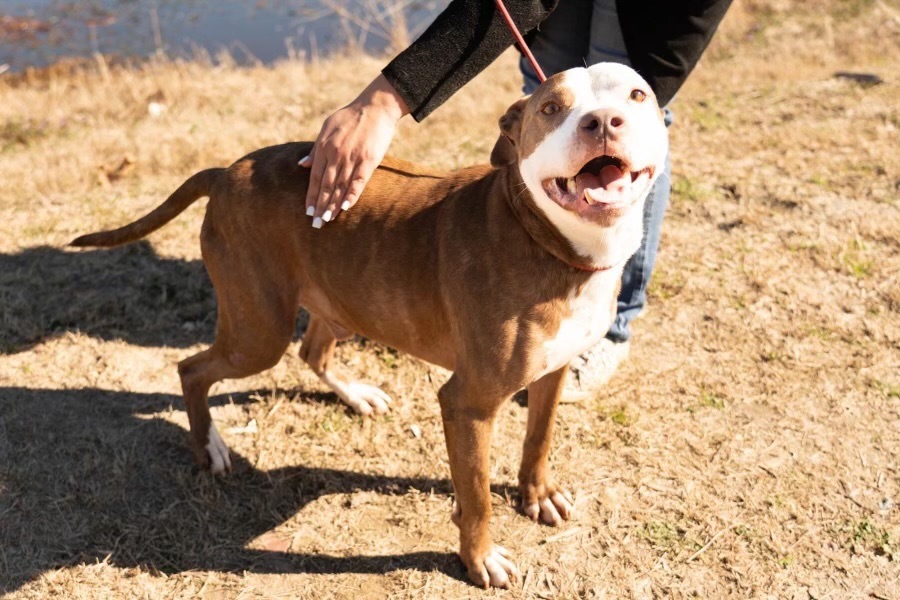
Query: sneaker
(590, 371)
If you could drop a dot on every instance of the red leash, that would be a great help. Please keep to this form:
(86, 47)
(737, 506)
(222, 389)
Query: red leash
(521, 42)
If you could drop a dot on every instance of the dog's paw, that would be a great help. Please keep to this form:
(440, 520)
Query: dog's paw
(217, 453)
(494, 569)
(364, 399)
(548, 504)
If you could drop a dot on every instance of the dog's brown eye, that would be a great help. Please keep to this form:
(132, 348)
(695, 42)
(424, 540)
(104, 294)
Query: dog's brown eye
(637, 95)
(551, 108)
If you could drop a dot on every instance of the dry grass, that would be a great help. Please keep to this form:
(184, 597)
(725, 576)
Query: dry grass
(749, 448)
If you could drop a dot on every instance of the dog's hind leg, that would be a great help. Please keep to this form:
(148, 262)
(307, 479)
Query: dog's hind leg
(230, 357)
(317, 350)
(254, 327)
(198, 373)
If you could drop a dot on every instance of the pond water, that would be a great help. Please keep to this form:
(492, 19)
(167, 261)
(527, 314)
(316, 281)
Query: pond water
(38, 32)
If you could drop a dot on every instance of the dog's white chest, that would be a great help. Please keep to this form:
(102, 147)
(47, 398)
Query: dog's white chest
(588, 322)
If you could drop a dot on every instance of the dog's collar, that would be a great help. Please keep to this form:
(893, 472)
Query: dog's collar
(584, 268)
(541, 230)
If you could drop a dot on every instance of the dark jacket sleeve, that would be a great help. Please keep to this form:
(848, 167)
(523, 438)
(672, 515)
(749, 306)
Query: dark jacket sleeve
(665, 38)
(463, 40)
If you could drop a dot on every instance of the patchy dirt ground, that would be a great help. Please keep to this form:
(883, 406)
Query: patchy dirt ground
(748, 449)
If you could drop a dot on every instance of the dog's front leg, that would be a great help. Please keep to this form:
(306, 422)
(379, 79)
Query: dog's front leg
(541, 497)
(468, 416)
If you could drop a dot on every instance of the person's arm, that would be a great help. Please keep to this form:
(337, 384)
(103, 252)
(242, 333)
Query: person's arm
(463, 40)
(350, 146)
(665, 39)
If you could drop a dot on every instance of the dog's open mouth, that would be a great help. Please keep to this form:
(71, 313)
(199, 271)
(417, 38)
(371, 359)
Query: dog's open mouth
(605, 181)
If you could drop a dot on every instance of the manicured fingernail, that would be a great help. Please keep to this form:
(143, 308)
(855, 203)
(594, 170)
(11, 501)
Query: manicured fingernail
(326, 216)
(303, 161)
(310, 211)
(317, 223)
(345, 205)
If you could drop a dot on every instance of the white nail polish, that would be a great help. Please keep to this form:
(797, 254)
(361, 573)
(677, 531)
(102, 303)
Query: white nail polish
(326, 216)
(317, 223)
(345, 205)
(303, 160)
(310, 211)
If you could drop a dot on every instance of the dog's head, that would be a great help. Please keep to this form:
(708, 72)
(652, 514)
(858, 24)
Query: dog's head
(589, 144)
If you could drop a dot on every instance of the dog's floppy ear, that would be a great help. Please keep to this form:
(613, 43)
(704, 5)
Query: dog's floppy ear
(504, 152)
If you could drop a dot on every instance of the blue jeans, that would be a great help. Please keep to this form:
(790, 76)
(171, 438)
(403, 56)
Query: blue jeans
(585, 32)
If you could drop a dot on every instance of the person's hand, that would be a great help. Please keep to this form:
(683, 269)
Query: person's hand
(351, 144)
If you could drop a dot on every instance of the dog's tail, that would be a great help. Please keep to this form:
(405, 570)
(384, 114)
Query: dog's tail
(190, 191)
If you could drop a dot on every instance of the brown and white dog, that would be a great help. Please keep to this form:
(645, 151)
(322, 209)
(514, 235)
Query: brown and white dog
(500, 274)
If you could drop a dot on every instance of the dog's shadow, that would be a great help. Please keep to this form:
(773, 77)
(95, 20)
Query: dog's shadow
(127, 293)
(84, 477)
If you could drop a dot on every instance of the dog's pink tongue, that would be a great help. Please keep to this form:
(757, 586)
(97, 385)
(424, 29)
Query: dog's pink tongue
(609, 186)
(609, 174)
